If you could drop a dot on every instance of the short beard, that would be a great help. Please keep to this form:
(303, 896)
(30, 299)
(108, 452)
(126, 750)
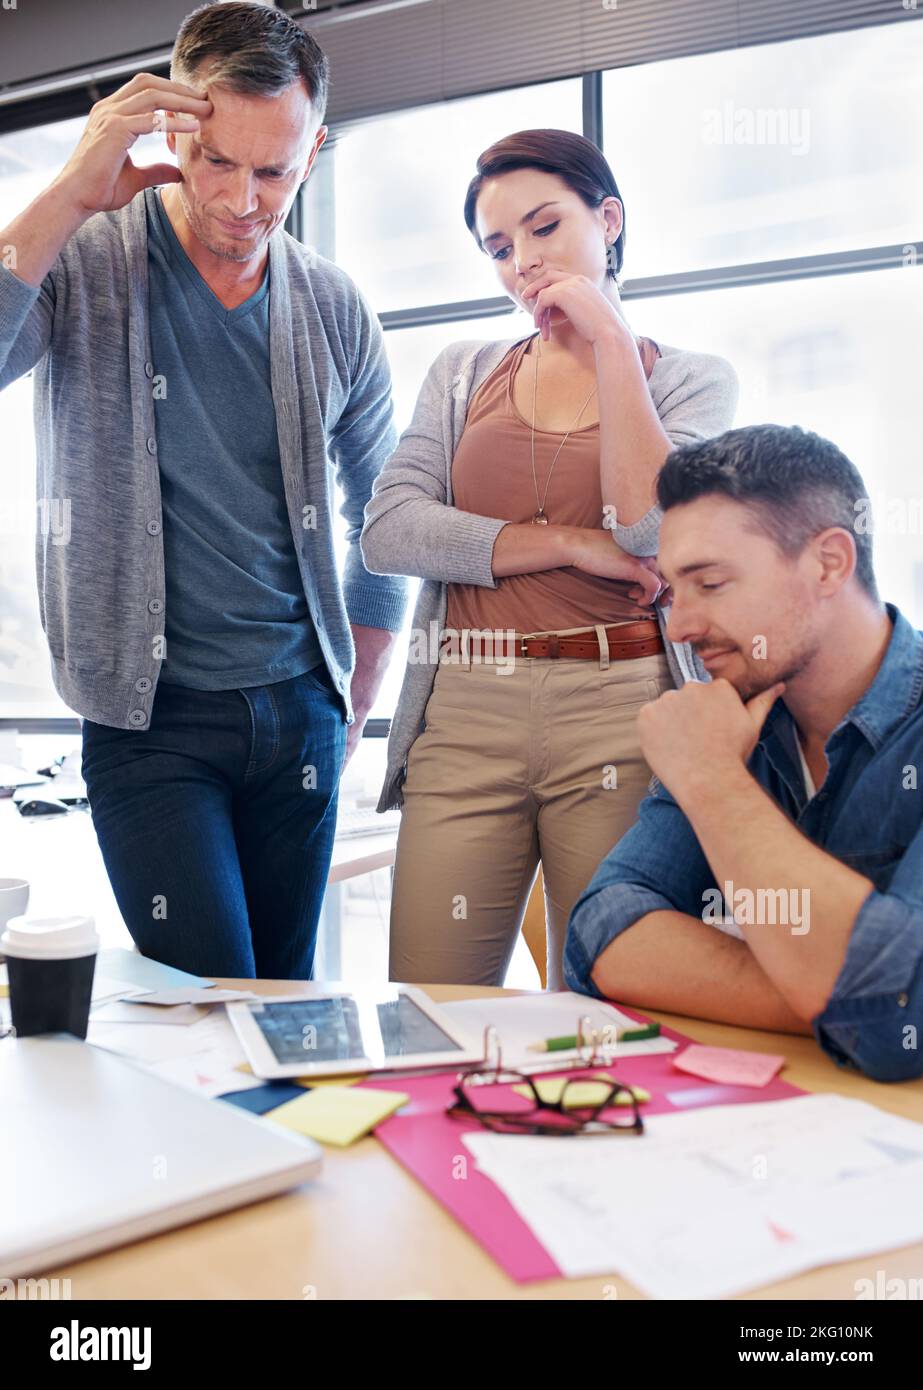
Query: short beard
(226, 253)
(796, 667)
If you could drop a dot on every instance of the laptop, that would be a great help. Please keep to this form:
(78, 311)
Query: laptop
(97, 1151)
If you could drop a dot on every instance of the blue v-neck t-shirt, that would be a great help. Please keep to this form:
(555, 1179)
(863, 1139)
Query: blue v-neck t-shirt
(235, 607)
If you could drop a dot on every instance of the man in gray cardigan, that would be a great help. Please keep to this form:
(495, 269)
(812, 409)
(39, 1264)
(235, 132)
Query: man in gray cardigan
(194, 366)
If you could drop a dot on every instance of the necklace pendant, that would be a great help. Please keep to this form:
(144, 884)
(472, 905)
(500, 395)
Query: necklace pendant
(540, 519)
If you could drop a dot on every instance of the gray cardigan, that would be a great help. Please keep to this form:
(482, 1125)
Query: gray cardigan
(100, 561)
(411, 526)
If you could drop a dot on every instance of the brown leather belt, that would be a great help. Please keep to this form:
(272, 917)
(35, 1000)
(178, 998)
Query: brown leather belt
(626, 642)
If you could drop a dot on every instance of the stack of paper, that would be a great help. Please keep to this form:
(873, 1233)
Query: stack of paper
(712, 1202)
(202, 1056)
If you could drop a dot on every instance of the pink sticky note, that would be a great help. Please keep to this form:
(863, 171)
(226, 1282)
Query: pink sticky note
(728, 1066)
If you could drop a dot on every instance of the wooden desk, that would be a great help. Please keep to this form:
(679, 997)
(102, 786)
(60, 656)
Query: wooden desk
(365, 1229)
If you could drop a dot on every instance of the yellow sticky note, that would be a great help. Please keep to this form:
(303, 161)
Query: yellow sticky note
(337, 1114)
(583, 1092)
(4, 991)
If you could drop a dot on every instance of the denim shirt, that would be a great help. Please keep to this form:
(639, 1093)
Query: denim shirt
(868, 814)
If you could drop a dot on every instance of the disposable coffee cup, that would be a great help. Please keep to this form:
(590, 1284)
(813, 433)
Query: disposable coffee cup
(50, 964)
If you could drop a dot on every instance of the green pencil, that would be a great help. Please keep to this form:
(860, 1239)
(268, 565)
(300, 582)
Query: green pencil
(650, 1030)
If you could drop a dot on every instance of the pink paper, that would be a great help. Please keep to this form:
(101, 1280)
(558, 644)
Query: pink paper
(429, 1144)
(727, 1066)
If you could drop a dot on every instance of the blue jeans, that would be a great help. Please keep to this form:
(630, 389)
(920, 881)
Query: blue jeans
(216, 824)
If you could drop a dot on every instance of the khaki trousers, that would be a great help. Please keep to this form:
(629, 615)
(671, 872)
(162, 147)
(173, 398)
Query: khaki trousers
(518, 763)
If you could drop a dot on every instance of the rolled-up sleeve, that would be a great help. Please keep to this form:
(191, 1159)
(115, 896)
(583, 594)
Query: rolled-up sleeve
(873, 1019)
(657, 865)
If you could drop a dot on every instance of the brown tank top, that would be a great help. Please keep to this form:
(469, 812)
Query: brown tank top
(492, 476)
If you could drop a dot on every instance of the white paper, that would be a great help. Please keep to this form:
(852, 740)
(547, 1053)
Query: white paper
(532, 1018)
(205, 1074)
(201, 1056)
(167, 998)
(713, 1202)
(129, 1011)
(146, 1042)
(212, 1068)
(107, 987)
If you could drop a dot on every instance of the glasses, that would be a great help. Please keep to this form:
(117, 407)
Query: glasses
(507, 1101)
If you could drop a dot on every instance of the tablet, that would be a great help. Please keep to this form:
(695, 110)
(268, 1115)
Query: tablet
(383, 1028)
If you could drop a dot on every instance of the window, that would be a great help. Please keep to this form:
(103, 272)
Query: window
(754, 154)
(835, 355)
(400, 184)
(792, 150)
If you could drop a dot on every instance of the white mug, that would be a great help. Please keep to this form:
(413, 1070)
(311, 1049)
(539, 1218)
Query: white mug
(14, 899)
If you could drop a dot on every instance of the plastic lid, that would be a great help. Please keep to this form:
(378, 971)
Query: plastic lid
(49, 938)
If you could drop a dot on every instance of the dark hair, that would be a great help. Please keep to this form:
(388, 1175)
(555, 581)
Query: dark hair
(572, 157)
(796, 484)
(253, 49)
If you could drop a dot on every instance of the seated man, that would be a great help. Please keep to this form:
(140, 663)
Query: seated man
(788, 785)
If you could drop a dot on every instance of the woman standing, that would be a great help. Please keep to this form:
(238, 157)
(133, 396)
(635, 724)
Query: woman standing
(523, 494)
